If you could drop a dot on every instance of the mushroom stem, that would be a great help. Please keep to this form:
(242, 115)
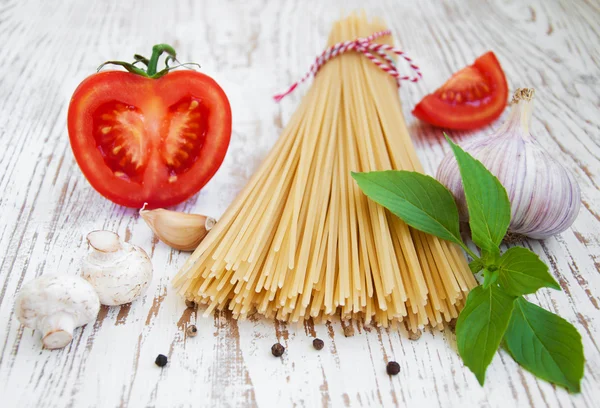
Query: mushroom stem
(57, 330)
(104, 241)
(107, 246)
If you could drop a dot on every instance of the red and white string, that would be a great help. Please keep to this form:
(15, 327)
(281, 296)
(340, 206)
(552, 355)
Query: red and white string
(367, 47)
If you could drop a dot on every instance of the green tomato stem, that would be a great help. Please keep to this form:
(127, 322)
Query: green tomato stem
(157, 51)
(151, 64)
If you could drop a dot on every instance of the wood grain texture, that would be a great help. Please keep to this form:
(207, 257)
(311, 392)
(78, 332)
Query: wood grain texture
(255, 49)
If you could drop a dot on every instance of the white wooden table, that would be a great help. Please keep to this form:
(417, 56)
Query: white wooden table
(254, 49)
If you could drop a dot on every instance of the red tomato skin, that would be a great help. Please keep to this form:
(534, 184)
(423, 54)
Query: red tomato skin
(153, 97)
(435, 111)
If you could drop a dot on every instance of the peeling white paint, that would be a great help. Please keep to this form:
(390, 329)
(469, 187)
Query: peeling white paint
(255, 49)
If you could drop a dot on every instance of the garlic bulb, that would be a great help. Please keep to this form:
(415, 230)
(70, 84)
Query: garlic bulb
(178, 230)
(544, 196)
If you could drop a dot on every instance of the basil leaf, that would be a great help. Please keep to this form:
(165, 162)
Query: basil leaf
(523, 272)
(490, 258)
(487, 201)
(476, 265)
(420, 200)
(545, 344)
(489, 277)
(481, 325)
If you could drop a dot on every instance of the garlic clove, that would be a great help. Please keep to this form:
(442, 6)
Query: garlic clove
(104, 241)
(178, 230)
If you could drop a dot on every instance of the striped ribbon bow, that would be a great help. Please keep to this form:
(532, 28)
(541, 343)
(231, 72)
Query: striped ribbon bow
(367, 47)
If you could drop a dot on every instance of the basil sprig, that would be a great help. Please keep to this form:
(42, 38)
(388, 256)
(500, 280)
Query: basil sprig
(540, 341)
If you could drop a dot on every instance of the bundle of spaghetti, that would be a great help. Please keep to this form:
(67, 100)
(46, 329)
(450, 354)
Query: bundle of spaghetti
(302, 241)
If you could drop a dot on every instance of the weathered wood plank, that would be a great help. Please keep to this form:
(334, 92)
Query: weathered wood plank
(254, 49)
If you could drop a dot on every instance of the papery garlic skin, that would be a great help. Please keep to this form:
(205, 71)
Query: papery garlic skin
(544, 196)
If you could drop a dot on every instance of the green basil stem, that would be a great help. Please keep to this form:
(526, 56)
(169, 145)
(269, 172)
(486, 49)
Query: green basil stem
(471, 253)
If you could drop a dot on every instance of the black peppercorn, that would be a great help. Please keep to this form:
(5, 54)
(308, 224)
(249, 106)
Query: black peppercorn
(318, 344)
(393, 368)
(161, 360)
(190, 303)
(192, 331)
(277, 349)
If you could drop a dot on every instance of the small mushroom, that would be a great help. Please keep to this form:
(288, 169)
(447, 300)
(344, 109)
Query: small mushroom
(56, 305)
(120, 272)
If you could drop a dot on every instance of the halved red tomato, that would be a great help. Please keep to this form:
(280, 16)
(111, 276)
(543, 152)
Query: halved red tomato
(141, 140)
(473, 97)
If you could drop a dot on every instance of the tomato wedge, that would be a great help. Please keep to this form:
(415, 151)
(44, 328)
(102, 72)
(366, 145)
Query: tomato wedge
(140, 139)
(473, 97)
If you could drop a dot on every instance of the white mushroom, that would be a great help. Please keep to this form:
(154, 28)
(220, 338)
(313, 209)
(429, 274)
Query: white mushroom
(120, 272)
(56, 305)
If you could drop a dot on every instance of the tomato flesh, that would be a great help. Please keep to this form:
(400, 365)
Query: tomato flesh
(156, 141)
(184, 132)
(473, 97)
(119, 134)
